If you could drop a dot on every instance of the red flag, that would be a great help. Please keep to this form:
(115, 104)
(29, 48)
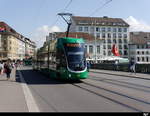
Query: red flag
(115, 50)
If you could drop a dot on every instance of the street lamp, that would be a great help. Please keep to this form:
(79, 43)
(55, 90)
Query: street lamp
(67, 21)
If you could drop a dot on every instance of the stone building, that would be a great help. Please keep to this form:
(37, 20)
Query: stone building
(139, 47)
(107, 31)
(12, 44)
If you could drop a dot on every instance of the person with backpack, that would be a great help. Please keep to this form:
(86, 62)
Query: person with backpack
(8, 68)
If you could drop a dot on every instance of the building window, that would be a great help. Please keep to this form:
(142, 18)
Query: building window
(80, 28)
(90, 49)
(114, 29)
(86, 29)
(120, 46)
(98, 49)
(103, 29)
(120, 41)
(109, 35)
(147, 59)
(109, 40)
(119, 35)
(97, 29)
(114, 41)
(125, 30)
(125, 36)
(138, 59)
(125, 47)
(138, 46)
(147, 52)
(109, 47)
(125, 41)
(104, 53)
(138, 52)
(104, 41)
(109, 29)
(103, 35)
(142, 52)
(143, 59)
(114, 35)
(104, 46)
(119, 29)
(97, 35)
(109, 53)
(125, 53)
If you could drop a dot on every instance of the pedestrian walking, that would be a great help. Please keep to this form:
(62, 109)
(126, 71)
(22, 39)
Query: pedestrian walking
(88, 66)
(1, 67)
(8, 68)
(133, 66)
(116, 65)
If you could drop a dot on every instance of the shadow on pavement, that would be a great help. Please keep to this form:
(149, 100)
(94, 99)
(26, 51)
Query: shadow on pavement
(35, 77)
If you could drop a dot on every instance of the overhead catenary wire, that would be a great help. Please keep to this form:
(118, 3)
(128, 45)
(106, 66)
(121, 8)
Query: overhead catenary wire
(69, 3)
(96, 10)
(63, 10)
(57, 18)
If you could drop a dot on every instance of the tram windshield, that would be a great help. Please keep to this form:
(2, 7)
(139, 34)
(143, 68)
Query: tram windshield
(75, 56)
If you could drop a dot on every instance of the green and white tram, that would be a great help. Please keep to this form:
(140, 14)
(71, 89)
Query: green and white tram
(63, 58)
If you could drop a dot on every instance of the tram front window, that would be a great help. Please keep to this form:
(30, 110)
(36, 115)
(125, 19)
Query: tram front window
(76, 57)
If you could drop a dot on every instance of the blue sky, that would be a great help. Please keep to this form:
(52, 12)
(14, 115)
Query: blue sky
(35, 18)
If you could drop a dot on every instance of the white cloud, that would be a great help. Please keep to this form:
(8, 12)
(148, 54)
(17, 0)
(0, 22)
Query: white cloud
(137, 25)
(39, 35)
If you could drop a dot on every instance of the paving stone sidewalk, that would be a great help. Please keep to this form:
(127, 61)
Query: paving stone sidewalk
(11, 94)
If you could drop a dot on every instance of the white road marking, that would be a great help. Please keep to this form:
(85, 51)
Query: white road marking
(31, 104)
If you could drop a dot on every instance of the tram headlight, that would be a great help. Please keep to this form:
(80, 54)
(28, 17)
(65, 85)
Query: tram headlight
(69, 75)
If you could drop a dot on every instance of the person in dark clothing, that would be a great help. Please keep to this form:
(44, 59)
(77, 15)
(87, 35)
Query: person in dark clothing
(7, 68)
(88, 66)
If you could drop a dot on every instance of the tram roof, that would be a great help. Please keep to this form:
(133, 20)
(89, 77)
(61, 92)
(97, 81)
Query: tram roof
(71, 40)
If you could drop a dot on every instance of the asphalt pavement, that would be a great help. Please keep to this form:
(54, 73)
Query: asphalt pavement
(16, 96)
(121, 73)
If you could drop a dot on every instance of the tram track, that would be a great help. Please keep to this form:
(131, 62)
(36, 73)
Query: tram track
(126, 76)
(123, 84)
(123, 99)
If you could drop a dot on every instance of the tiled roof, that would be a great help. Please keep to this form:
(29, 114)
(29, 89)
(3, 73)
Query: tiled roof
(139, 37)
(99, 21)
(10, 30)
(7, 27)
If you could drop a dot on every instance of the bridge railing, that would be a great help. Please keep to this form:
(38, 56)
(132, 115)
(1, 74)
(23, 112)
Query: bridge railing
(141, 68)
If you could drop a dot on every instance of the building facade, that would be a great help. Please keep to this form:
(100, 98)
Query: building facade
(139, 47)
(12, 44)
(106, 32)
(30, 47)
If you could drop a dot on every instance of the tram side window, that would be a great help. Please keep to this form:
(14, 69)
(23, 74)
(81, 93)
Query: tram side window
(61, 58)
